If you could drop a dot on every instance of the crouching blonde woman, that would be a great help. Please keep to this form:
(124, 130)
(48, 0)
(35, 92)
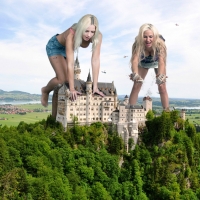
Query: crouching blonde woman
(149, 51)
(60, 50)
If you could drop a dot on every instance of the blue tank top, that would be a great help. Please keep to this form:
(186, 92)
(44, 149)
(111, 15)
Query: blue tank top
(149, 62)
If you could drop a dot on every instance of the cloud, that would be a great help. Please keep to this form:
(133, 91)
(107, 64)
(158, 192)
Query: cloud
(26, 27)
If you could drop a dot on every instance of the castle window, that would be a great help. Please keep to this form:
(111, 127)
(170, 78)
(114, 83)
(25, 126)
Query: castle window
(84, 98)
(109, 98)
(95, 98)
(111, 104)
(100, 98)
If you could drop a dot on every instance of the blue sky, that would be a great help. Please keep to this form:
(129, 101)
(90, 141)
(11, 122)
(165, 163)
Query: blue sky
(26, 27)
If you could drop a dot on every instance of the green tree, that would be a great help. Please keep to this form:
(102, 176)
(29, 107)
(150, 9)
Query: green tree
(150, 115)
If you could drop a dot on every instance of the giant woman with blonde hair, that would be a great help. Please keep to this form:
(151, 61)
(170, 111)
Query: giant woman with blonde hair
(60, 50)
(149, 51)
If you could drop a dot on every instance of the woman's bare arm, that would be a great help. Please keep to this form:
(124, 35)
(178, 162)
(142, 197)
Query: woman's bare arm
(95, 61)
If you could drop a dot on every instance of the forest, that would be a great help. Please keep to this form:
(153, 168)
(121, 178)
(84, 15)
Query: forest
(42, 161)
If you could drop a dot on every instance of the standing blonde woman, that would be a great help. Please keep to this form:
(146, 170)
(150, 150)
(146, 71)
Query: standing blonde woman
(60, 50)
(149, 51)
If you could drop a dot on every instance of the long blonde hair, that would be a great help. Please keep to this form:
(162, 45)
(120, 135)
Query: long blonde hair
(80, 28)
(158, 46)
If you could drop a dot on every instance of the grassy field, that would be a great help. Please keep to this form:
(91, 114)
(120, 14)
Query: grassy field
(15, 119)
(35, 106)
(193, 118)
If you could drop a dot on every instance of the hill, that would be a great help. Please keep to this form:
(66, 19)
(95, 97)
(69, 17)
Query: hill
(19, 96)
(42, 161)
(25, 96)
(173, 102)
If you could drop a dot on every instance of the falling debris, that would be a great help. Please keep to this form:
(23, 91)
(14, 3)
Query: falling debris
(149, 93)
(125, 56)
(103, 72)
(176, 24)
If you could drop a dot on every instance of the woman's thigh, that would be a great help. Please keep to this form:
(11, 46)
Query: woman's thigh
(59, 65)
(142, 72)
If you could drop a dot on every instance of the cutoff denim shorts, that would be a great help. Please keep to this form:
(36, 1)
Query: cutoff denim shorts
(53, 47)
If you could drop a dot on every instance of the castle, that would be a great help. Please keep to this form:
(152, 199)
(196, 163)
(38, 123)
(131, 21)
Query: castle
(89, 108)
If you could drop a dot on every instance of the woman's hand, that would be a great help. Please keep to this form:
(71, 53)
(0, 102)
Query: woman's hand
(136, 77)
(73, 95)
(96, 90)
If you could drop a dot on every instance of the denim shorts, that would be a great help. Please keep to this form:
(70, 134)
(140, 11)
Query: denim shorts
(53, 47)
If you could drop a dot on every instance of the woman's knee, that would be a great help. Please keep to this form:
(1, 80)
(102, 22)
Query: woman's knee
(60, 80)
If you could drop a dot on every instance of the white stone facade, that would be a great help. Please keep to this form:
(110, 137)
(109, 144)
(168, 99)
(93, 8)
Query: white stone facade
(89, 108)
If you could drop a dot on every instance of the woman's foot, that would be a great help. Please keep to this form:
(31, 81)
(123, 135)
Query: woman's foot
(44, 98)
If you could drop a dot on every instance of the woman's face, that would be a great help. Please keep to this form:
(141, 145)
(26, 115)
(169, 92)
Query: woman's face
(89, 32)
(148, 38)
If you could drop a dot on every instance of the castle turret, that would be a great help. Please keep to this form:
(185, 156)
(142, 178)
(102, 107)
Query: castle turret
(77, 70)
(183, 114)
(88, 97)
(147, 104)
(126, 99)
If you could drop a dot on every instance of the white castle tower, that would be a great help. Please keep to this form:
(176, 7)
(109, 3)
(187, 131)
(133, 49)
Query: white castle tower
(77, 69)
(88, 97)
(147, 104)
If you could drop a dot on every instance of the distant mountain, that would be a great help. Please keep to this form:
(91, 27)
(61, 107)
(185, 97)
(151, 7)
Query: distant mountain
(19, 96)
(25, 96)
(12, 92)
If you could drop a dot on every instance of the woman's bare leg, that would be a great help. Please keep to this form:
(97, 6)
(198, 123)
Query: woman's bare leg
(60, 67)
(163, 92)
(164, 96)
(137, 86)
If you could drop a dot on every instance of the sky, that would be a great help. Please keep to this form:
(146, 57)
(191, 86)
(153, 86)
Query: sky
(26, 27)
